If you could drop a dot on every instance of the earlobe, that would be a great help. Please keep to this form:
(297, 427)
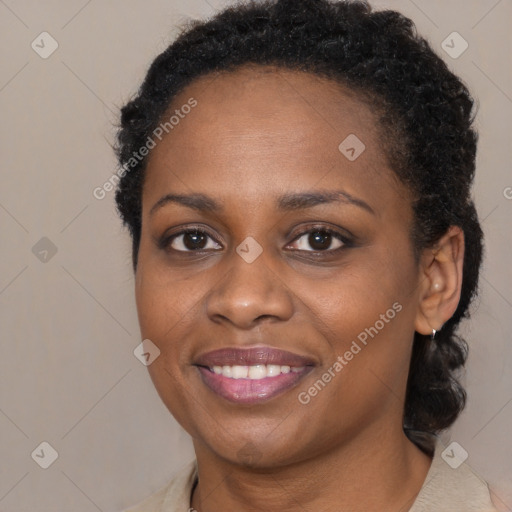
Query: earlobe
(440, 281)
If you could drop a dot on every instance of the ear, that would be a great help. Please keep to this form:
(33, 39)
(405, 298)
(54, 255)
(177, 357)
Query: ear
(440, 281)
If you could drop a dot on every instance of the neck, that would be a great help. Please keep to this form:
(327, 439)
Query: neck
(383, 472)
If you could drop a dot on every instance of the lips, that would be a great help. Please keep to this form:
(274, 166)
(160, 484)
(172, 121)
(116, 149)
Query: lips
(252, 375)
(252, 357)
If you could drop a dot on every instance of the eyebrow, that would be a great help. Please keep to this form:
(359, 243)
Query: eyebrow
(286, 202)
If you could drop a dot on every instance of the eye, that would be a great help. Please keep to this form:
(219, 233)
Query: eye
(320, 240)
(191, 240)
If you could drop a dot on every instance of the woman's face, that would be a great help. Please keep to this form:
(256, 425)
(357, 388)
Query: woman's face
(301, 252)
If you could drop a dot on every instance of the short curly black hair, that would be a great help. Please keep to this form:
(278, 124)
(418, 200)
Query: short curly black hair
(426, 119)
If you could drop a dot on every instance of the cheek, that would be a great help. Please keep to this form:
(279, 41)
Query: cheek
(368, 330)
(154, 307)
(164, 299)
(164, 316)
(367, 317)
(364, 376)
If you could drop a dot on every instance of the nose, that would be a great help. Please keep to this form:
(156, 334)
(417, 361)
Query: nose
(248, 294)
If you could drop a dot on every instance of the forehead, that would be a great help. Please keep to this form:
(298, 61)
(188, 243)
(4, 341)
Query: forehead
(269, 98)
(262, 126)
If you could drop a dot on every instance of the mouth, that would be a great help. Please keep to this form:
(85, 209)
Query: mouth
(249, 376)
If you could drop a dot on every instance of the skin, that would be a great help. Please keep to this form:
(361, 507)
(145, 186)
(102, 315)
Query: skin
(256, 134)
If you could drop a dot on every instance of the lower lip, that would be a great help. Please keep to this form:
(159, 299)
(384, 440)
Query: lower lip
(251, 391)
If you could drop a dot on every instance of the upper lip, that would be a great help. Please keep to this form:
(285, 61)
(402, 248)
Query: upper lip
(252, 356)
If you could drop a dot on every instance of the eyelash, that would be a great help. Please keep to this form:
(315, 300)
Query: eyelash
(166, 241)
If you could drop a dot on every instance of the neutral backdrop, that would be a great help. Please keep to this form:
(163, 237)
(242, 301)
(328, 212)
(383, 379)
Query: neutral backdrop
(68, 375)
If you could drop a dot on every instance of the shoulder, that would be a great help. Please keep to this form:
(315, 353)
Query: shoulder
(174, 496)
(452, 487)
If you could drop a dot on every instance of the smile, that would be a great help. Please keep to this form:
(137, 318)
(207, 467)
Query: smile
(257, 372)
(249, 376)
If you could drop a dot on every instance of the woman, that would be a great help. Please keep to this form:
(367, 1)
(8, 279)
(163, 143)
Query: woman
(296, 180)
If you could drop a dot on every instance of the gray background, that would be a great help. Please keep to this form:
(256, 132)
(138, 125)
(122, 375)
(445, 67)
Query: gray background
(68, 375)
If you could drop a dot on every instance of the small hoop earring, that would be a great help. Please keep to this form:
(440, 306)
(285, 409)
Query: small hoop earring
(433, 335)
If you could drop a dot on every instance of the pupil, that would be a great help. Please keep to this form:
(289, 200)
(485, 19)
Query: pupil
(194, 240)
(320, 240)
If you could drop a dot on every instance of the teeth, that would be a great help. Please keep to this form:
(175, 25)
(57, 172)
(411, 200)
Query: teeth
(227, 371)
(273, 370)
(256, 372)
(240, 372)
